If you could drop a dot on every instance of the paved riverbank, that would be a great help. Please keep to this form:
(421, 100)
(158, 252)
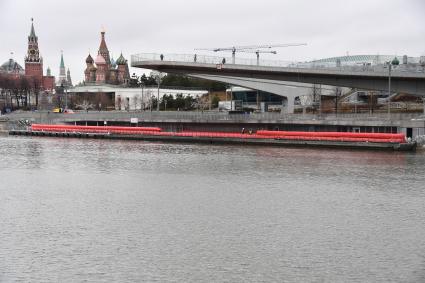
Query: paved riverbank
(411, 124)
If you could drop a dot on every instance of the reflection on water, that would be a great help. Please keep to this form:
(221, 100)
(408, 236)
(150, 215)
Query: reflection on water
(121, 211)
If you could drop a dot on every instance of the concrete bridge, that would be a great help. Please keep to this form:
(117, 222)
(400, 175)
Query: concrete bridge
(271, 76)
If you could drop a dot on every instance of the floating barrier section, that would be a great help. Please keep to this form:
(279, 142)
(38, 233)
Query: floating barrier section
(335, 136)
(261, 134)
(93, 129)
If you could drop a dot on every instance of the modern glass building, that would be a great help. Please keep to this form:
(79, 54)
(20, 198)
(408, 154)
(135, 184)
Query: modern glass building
(249, 96)
(351, 60)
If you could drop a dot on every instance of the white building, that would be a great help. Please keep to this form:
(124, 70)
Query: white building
(135, 98)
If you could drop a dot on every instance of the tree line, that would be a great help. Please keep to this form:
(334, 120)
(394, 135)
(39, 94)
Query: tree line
(177, 102)
(22, 92)
(16, 92)
(173, 80)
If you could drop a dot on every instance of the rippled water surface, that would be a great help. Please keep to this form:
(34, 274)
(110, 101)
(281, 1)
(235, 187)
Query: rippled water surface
(109, 211)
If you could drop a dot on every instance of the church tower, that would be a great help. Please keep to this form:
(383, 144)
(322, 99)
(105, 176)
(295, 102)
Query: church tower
(123, 71)
(103, 49)
(88, 71)
(33, 61)
(102, 68)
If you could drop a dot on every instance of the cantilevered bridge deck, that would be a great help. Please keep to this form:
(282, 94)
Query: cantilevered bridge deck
(409, 80)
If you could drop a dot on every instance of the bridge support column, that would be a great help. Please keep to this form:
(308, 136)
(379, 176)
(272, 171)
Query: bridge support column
(290, 91)
(290, 106)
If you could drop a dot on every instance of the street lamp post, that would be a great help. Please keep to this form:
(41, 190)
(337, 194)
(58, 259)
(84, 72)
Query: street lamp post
(63, 92)
(209, 99)
(142, 104)
(157, 98)
(158, 77)
(337, 93)
(389, 89)
(392, 63)
(258, 100)
(66, 98)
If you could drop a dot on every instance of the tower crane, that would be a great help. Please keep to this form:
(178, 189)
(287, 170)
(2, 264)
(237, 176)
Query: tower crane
(257, 49)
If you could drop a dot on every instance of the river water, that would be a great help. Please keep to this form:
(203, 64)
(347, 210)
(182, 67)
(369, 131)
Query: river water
(119, 211)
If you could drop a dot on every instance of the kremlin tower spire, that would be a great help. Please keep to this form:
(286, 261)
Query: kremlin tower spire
(62, 72)
(33, 54)
(34, 65)
(33, 61)
(32, 34)
(64, 76)
(68, 78)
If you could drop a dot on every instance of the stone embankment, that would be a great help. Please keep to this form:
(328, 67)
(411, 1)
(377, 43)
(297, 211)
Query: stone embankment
(4, 126)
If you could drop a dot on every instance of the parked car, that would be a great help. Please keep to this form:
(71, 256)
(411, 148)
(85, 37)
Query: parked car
(68, 111)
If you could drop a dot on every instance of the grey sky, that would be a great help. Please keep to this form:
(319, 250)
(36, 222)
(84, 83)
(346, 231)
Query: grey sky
(330, 27)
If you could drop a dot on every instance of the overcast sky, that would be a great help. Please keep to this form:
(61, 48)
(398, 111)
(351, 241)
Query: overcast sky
(329, 27)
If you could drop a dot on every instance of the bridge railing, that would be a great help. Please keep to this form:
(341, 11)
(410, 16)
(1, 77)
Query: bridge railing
(204, 59)
(138, 59)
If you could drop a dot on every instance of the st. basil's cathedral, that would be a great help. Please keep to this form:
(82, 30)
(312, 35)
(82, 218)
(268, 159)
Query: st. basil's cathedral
(104, 70)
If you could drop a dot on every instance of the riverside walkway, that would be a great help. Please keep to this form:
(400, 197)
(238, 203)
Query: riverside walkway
(414, 120)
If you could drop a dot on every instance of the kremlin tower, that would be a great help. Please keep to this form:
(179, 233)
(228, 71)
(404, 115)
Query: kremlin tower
(68, 77)
(34, 63)
(64, 76)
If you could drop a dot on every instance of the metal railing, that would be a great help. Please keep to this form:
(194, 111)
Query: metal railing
(218, 61)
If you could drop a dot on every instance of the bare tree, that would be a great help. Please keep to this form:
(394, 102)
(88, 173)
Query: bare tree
(136, 100)
(316, 93)
(337, 92)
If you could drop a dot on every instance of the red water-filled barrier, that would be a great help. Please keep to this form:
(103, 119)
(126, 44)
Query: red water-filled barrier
(91, 129)
(334, 136)
(330, 134)
(299, 137)
(261, 134)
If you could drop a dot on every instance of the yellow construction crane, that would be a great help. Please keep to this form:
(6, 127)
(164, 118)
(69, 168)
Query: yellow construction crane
(257, 49)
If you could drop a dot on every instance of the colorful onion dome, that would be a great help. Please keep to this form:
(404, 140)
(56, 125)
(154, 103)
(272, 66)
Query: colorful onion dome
(121, 60)
(89, 60)
(100, 60)
(113, 64)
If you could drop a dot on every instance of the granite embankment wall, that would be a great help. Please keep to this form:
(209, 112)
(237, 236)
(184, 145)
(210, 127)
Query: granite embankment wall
(412, 124)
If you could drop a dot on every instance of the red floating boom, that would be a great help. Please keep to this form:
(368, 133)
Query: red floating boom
(85, 129)
(261, 134)
(345, 136)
